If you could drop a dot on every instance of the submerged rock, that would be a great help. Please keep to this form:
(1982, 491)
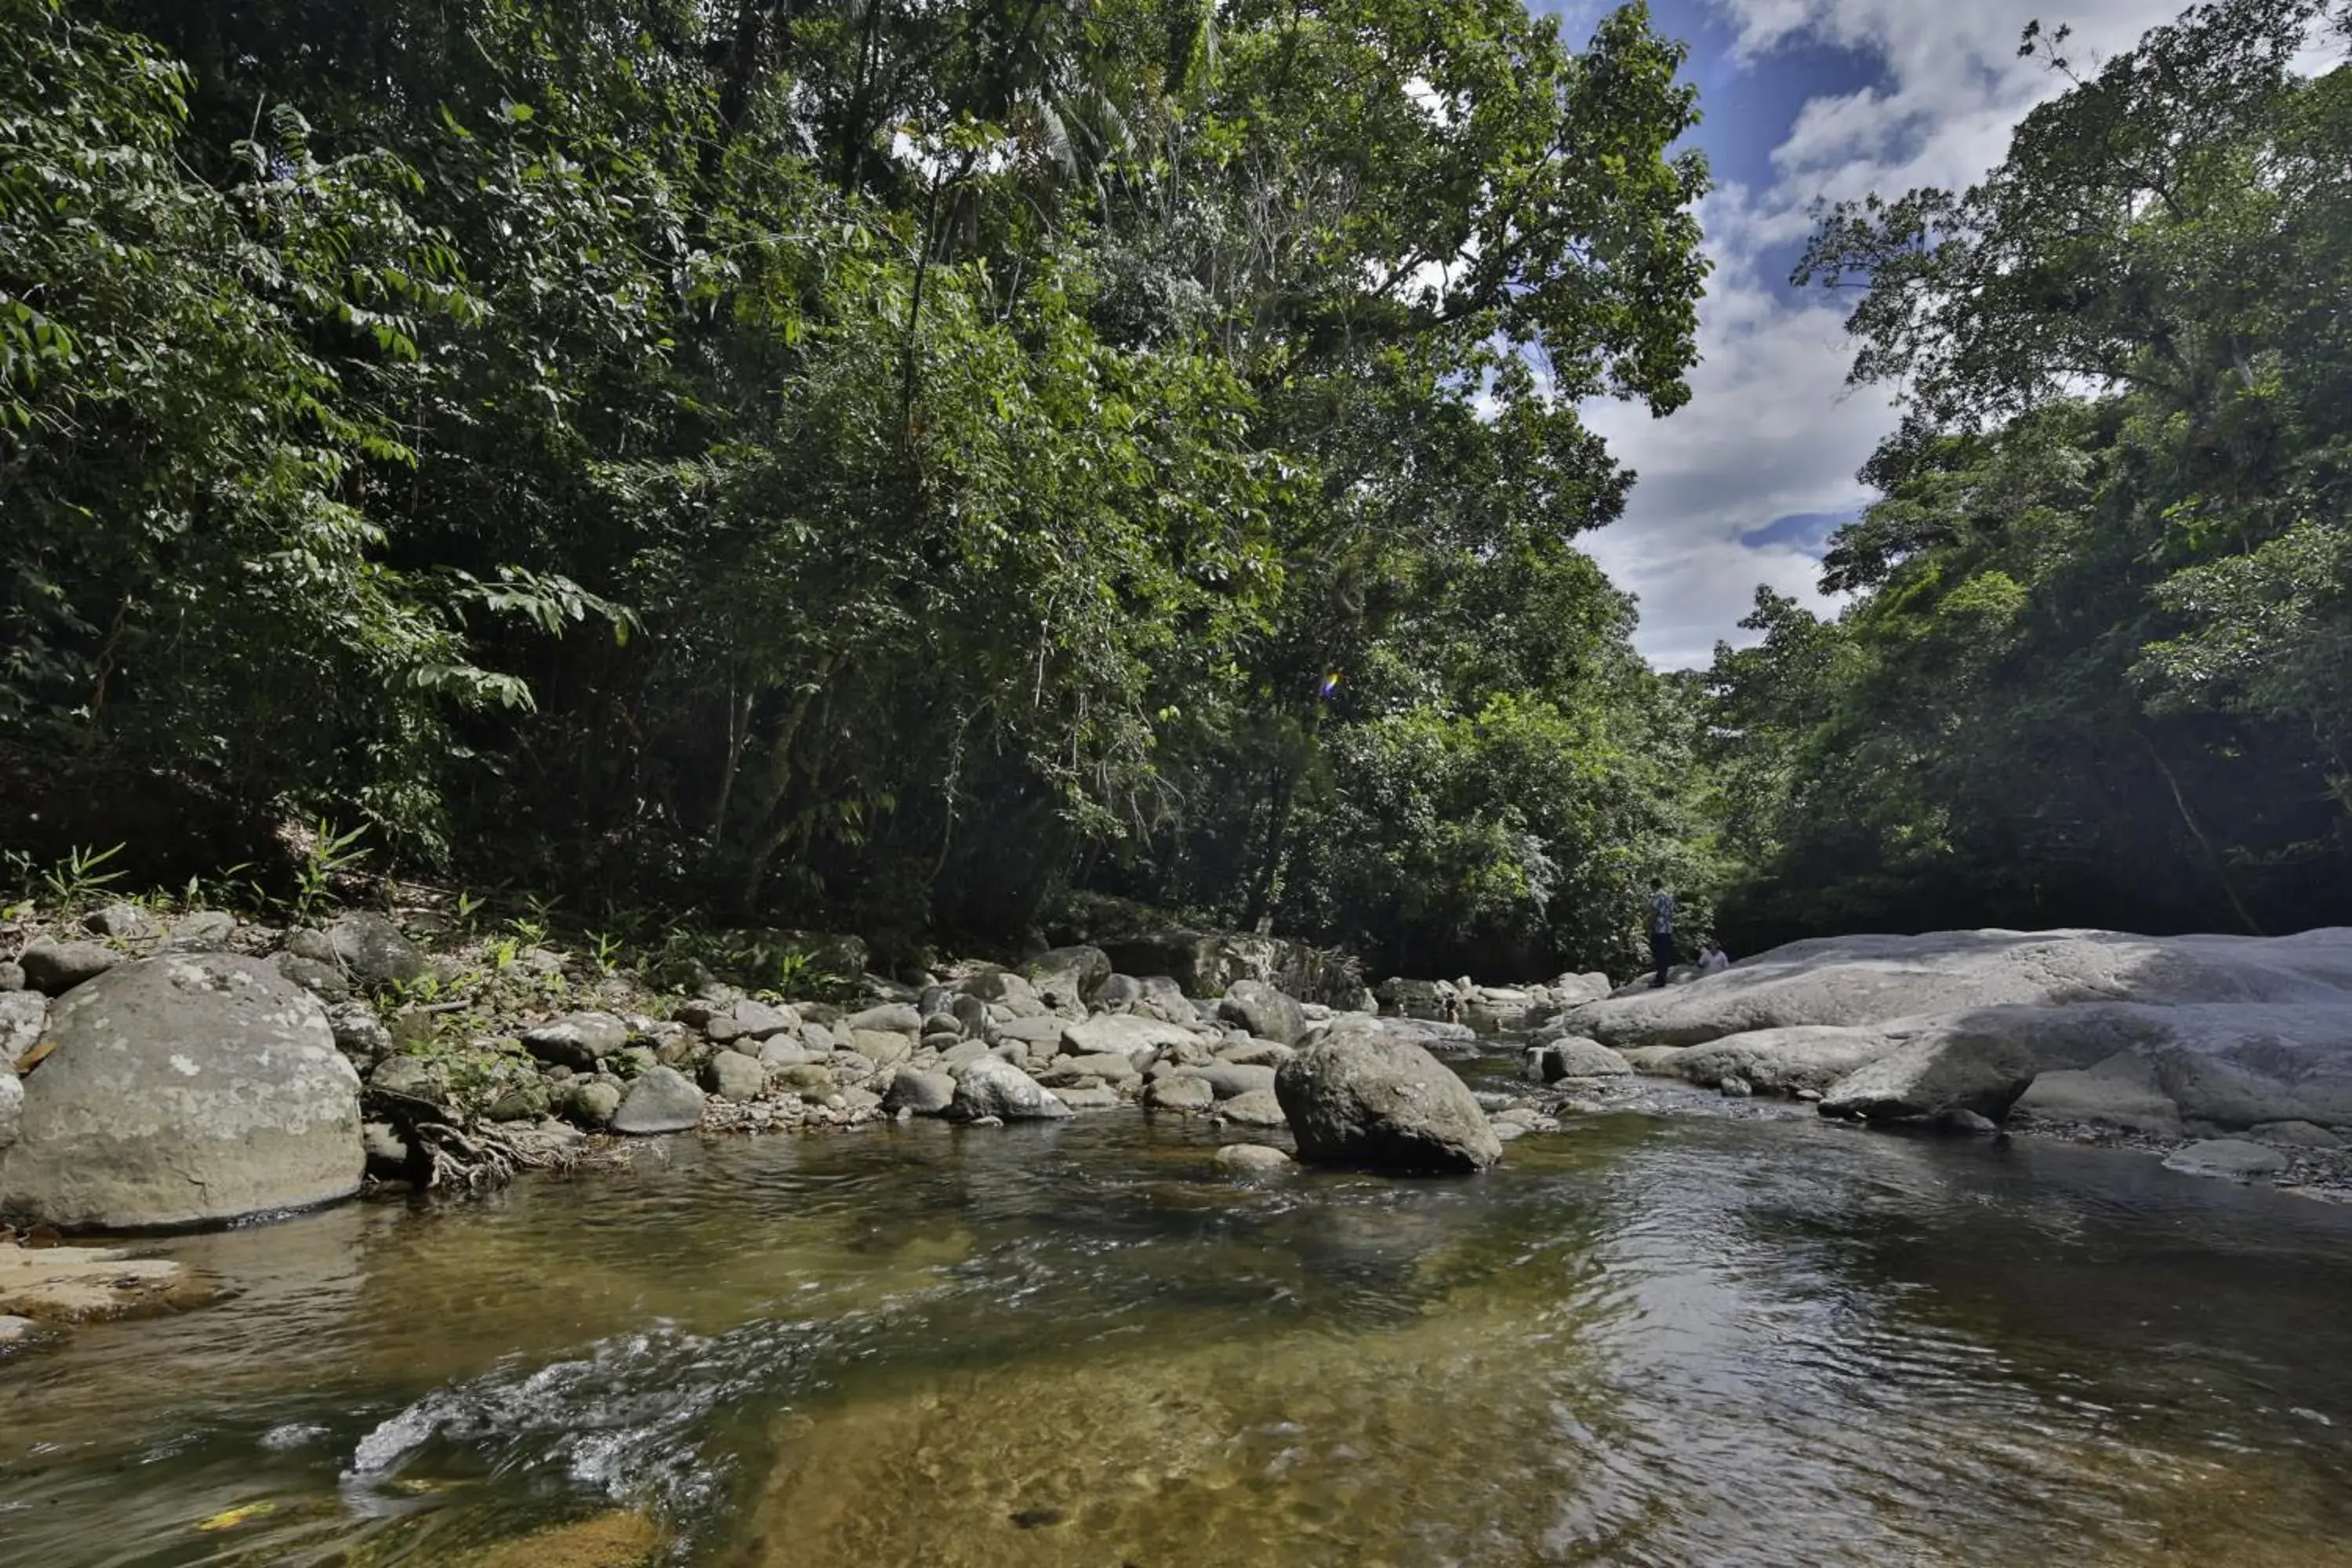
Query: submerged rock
(184, 1090)
(1252, 1157)
(2230, 1157)
(1362, 1096)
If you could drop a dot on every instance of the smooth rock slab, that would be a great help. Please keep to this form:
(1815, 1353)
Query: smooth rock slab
(1951, 1068)
(184, 1090)
(660, 1100)
(2233, 1157)
(76, 1284)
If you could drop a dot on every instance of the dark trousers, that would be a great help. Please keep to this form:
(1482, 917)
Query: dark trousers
(1662, 954)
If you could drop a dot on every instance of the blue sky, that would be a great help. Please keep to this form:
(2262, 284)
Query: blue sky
(1803, 99)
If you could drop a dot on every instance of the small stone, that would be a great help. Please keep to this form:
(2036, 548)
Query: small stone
(125, 922)
(12, 977)
(202, 930)
(1733, 1087)
(327, 982)
(1253, 1158)
(359, 1033)
(57, 967)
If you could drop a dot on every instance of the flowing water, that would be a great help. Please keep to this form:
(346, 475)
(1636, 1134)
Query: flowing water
(1670, 1339)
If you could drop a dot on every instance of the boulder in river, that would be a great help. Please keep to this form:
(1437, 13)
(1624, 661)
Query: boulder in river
(1364, 1097)
(184, 1090)
(1252, 1158)
(1257, 1108)
(1265, 1012)
(1573, 1056)
(919, 1093)
(2233, 1158)
(992, 1086)
(1068, 979)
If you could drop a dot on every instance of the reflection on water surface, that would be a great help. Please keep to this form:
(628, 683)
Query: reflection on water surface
(1649, 1341)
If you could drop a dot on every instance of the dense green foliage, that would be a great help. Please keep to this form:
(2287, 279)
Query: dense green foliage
(835, 461)
(2095, 671)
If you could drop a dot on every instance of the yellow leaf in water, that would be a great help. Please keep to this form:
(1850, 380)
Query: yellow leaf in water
(230, 1518)
(35, 1057)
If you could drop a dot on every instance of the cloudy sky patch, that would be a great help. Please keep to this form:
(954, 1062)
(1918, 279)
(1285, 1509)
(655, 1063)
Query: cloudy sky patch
(1804, 99)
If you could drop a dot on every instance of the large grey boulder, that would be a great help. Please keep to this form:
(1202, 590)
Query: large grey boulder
(372, 950)
(991, 1087)
(662, 1100)
(1948, 1069)
(184, 1090)
(1364, 1097)
(1857, 981)
(1068, 978)
(57, 967)
(1181, 1094)
(1263, 1011)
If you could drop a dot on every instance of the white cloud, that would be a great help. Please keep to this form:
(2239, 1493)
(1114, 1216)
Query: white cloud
(1771, 429)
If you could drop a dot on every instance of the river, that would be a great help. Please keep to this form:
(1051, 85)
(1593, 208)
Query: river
(1731, 1336)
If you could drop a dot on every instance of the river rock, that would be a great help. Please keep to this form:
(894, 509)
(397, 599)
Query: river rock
(1123, 1034)
(1263, 1011)
(78, 1284)
(359, 1033)
(747, 1019)
(125, 922)
(2296, 1135)
(1572, 1056)
(2233, 1157)
(880, 1047)
(202, 931)
(1252, 1158)
(889, 1018)
(1952, 1067)
(1780, 1061)
(1068, 978)
(805, 1079)
(411, 1077)
(12, 977)
(325, 981)
(995, 1088)
(1362, 1097)
(1109, 1066)
(1008, 991)
(1855, 980)
(592, 1100)
(921, 1093)
(57, 967)
(1254, 1108)
(1255, 1053)
(373, 950)
(23, 1015)
(184, 1090)
(576, 1040)
(660, 1100)
(733, 1076)
(1225, 1080)
(12, 1108)
(1098, 1097)
(1185, 1094)
(781, 1051)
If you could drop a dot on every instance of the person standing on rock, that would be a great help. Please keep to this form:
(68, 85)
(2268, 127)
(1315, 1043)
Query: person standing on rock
(1662, 932)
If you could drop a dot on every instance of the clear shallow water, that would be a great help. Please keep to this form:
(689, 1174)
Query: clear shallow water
(1669, 1341)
